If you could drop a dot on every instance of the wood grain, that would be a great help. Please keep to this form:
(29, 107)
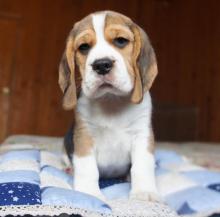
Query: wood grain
(8, 29)
(185, 35)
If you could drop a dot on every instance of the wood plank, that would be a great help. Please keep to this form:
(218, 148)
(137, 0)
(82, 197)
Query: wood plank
(8, 29)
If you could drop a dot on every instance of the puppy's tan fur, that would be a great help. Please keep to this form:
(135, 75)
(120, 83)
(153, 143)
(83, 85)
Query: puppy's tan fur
(82, 138)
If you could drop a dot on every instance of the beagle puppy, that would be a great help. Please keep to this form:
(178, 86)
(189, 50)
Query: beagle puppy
(112, 133)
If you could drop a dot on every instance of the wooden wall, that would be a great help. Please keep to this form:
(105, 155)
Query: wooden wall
(185, 35)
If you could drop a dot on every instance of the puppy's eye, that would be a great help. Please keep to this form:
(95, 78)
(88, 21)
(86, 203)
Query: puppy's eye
(120, 42)
(84, 48)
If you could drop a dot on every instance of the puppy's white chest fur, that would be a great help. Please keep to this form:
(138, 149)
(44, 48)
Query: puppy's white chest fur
(112, 148)
(114, 133)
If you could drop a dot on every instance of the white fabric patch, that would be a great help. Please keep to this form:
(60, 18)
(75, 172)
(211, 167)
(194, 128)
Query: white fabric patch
(50, 159)
(50, 180)
(184, 167)
(20, 165)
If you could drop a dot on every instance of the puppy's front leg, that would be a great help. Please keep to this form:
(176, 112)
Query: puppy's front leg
(86, 175)
(143, 183)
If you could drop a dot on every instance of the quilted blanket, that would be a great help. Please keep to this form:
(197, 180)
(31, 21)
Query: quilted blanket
(39, 182)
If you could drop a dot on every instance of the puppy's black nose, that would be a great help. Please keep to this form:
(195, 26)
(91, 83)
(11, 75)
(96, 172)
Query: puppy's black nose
(102, 66)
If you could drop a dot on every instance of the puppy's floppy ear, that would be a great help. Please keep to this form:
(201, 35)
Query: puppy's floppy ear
(145, 64)
(67, 77)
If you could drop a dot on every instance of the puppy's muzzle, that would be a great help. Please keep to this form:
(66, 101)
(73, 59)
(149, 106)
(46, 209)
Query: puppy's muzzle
(103, 66)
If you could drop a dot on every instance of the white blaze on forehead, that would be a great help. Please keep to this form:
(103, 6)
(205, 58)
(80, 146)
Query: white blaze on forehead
(102, 48)
(98, 22)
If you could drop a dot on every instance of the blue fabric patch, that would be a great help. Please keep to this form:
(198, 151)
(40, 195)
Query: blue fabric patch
(203, 177)
(199, 198)
(21, 155)
(103, 183)
(19, 193)
(20, 176)
(215, 187)
(185, 210)
(60, 196)
(117, 191)
(164, 158)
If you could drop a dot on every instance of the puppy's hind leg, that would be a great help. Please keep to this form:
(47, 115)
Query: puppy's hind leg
(68, 147)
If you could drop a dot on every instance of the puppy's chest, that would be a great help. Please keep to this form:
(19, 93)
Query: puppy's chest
(112, 145)
(113, 135)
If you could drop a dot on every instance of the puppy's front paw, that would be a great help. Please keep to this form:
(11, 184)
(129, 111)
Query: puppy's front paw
(146, 196)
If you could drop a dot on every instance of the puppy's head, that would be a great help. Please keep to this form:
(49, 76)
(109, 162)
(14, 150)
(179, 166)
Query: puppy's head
(112, 55)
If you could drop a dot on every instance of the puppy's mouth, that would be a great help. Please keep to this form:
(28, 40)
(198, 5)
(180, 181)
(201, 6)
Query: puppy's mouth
(106, 85)
(106, 88)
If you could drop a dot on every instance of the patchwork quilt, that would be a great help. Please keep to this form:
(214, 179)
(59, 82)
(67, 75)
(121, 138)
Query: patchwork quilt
(40, 178)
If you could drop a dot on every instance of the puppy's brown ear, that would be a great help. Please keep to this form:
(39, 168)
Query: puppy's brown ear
(145, 64)
(67, 77)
